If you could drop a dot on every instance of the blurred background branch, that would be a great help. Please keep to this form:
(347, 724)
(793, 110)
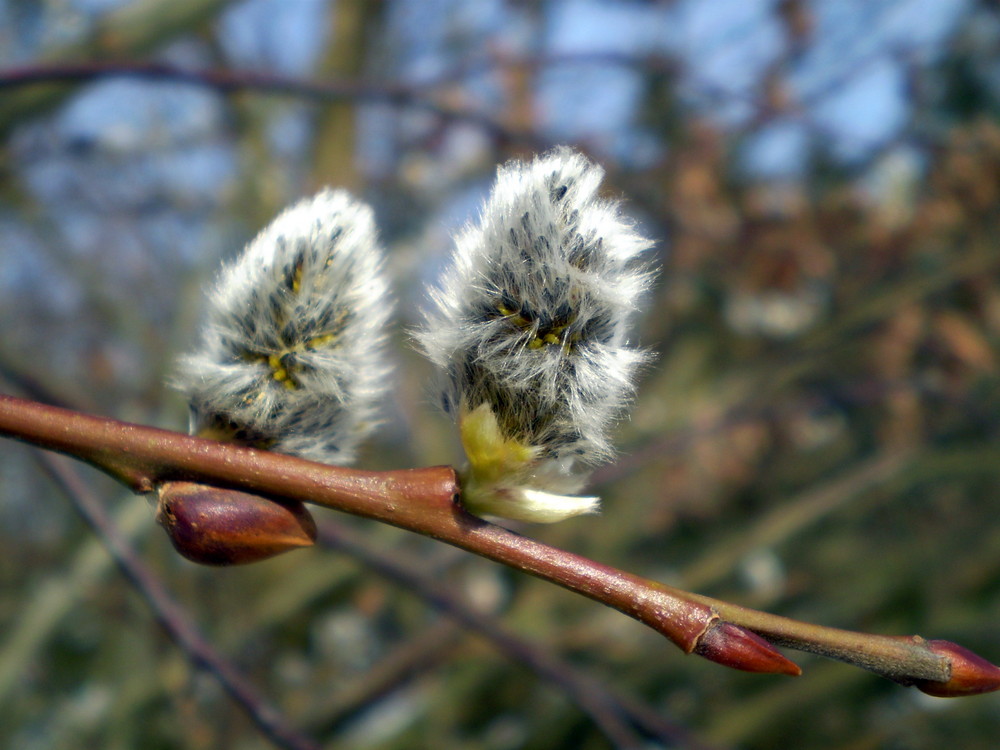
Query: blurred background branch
(170, 616)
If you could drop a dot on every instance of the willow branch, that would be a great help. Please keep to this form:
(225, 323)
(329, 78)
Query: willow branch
(425, 501)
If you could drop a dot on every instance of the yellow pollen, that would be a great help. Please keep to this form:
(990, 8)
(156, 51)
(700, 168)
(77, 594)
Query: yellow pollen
(551, 336)
(280, 373)
(320, 341)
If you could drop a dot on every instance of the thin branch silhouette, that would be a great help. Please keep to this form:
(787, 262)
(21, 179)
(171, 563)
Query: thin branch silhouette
(268, 718)
(614, 714)
(231, 81)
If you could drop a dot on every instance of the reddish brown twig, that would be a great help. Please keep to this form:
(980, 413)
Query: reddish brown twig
(425, 501)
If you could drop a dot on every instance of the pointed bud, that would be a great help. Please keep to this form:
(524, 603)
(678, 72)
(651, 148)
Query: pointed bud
(736, 647)
(214, 526)
(971, 674)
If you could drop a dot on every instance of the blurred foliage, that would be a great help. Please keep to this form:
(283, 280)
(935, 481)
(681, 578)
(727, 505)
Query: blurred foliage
(818, 437)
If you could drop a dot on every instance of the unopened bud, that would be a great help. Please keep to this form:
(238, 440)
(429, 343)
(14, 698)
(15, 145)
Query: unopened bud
(971, 674)
(214, 526)
(736, 647)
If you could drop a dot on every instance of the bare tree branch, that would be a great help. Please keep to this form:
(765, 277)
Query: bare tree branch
(230, 81)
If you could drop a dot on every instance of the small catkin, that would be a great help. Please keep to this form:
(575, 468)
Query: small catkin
(292, 355)
(530, 327)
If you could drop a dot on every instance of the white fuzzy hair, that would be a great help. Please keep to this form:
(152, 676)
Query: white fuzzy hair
(533, 316)
(292, 356)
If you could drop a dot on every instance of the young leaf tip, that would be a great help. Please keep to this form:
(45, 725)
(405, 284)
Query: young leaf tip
(531, 327)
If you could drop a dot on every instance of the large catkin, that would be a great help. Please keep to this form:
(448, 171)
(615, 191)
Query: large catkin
(530, 327)
(292, 354)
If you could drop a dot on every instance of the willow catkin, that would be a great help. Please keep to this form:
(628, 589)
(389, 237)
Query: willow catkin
(292, 353)
(530, 327)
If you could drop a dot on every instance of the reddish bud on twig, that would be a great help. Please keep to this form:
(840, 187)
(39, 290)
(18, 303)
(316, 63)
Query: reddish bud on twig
(971, 674)
(214, 526)
(739, 648)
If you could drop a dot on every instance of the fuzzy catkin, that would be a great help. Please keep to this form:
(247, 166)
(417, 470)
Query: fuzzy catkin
(532, 319)
(292, 355)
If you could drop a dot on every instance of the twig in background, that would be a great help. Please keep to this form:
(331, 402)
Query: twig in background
(268, 718)
(613, 713)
